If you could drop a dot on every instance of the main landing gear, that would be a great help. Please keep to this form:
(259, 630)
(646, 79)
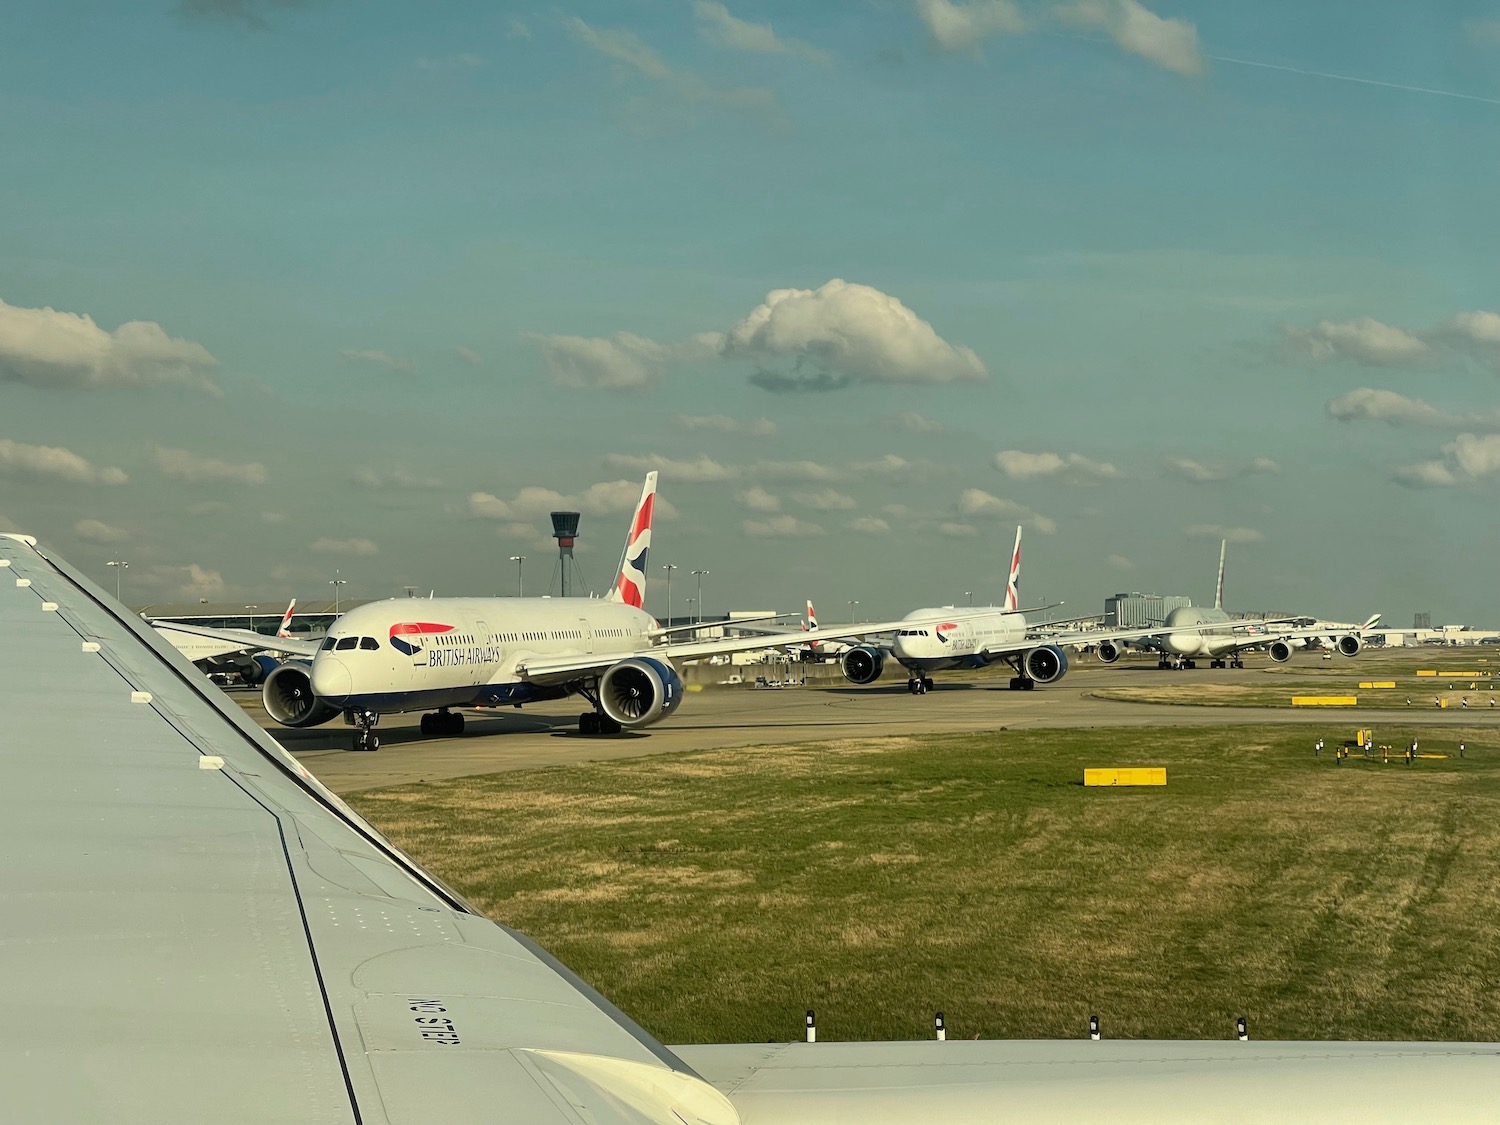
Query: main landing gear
(364, 738)
(919, 685)
(1232, 662)
(443, 722)
(1177, 663)
(1022, 683)
(595, 721)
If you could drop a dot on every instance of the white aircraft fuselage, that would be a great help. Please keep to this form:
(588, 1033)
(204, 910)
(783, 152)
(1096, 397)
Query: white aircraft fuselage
(1210, 642)
(960, 642)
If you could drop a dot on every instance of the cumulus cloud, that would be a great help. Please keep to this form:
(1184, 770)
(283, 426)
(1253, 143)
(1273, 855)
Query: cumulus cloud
(844, 333)
(757, 499)
(1119, 562)
(273, 518)
(1425, 474)
(385, 480)
(701, 470)
(183, 465)
(203, 583)
(977, 502)
(1169, 43)
(1075, 467)
(53, 462)
(1468, 458)
(359, 547)
(780, 527)
(97, 531)
(1476, 334)
(803, 472)
(469, 356)
(869, 525)
(964, 26)
(913, 423)
(718, 27)
(1218, 531)
(604, 498)
(1366, 341)
(687, 89)
(1201, 473)
(955, 530)
(1372, 405)
(824, 500)
(622, 362)
(377, 358)
(48, 348)
(724, 424)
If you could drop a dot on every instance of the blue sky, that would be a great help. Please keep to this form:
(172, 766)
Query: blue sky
(872, 281)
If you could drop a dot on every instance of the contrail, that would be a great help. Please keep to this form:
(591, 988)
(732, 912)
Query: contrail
(1360, 81)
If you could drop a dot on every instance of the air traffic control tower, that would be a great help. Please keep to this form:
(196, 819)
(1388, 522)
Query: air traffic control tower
(565, 531)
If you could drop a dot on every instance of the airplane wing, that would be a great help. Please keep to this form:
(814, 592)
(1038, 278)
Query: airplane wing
(196, 930)
(1098, 636)
(243, 640)
(555, 669)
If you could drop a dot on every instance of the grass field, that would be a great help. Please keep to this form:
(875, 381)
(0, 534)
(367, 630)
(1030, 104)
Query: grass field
(716, 895)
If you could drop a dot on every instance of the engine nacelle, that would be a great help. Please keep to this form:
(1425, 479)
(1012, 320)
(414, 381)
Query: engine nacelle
(639, 691)
(257, 668)
(289, 699)
(1349, 645)
(862, 665)
(1280, 651)
(1045, 664)
(1108, 652)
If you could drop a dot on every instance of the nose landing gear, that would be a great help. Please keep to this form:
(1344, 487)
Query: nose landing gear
(364, 738)
(919, 685)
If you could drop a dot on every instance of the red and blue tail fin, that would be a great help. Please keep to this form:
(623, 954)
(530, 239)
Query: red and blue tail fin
(1013, 584)
(285, 628)
(630, 586)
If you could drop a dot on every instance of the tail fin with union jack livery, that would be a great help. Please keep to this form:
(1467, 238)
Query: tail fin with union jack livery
(630, 586)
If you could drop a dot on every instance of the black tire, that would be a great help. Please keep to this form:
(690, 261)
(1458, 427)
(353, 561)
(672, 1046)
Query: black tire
(608, 725)
(1028, 685)
(588, 723)
(428, 724)
(927, 684)
(913, 686)
(453, 723)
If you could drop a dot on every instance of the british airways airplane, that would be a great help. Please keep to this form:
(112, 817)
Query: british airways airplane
(439, 654)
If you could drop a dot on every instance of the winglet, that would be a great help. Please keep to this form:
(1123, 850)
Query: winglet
(630, 586)
(285, 628)
(1013, 584)
(1219, 586)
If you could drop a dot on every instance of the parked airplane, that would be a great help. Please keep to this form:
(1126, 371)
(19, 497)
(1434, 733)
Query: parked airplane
(232, 652)
(1192, 631)
(934, 640)
(437, 654)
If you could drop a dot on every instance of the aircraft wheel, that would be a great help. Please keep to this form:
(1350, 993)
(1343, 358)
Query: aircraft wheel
(927, 684)
(914, 686)
(607, 725)
(588, 723)
(428, 725)
(1028, 685)
(1015, 683)
(364, 741)
(453, 723)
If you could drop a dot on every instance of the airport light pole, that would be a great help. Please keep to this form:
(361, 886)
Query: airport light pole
(520, 575)
(970, 595)
(852, 605)
(119, 566)
(669, 568)
(250, 609)
(698, 574)
(336, 582)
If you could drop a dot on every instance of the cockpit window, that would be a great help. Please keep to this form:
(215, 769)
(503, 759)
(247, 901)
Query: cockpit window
(329, 642)
(348, 642)
(369, 644)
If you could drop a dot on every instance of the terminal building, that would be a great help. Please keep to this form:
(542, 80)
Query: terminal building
(1140, 611)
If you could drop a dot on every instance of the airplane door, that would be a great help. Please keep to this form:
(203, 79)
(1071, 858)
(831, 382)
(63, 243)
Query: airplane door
(588, 636)
(486, 640)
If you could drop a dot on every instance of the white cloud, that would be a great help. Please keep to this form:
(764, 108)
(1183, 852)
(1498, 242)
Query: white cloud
(824, 500)
(963, 26)
(1476, 333)
(622, 362)
(377, 358)
(187, 466)
(1364, 340)
(718, 27)
(957, 530)
(701, 470)
(913, 423)
(977, 502)
(780, 527)
(1426, 474)
(273, 518)
(1020, 465)
(469, 356)
(1119, 562)
(359, 547)
(849, 333)
(97, 531)
(804, 472)
(1217, 531)
(1169, 43)
(1373, 405)
(757, 499)
(870, 525)
(684, 86)
(387, 479)
(190, 582)
(1201, 473)
(532, 502)
(54, 462)
(894, 468)
(48, 348)
(723, 424)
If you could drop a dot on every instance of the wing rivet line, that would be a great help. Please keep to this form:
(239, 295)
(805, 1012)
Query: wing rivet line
(90, 646)
(140, 697)
(49, 607)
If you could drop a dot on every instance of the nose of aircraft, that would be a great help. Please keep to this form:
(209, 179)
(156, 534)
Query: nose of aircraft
(331, 679)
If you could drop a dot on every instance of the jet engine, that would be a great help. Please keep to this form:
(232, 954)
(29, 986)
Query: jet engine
(639, 691)
(257, 668)
(1280, 651)
(1045, 664)
(1108, 652)
(289, 699)
(862, 665)
(1350, 645)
